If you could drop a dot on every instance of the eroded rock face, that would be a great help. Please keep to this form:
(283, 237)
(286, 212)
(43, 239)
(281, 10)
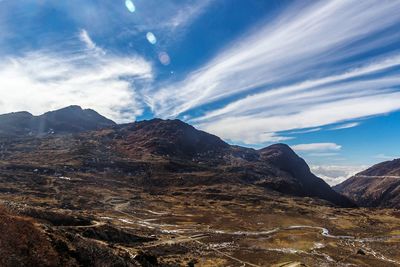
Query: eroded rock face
(378, 186)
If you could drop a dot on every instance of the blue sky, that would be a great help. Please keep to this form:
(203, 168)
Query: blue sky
(322, 76)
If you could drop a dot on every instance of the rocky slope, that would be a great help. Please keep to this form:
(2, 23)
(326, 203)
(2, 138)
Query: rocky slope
(162, 193)
(72, 119)
(162, 154)
(378, 186)
(302, 181)
(276, 167)
(32, 242)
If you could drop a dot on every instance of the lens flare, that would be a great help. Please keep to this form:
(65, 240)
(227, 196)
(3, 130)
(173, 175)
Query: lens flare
(130, 6)
(164, 58)
(151, 38)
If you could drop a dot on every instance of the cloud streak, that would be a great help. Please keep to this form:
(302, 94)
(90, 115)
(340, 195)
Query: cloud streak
(54, 80)
(317, 147)
(346, 126)
(386, 157)
(185, 15)
(256, 128)
(314, 64)
(285, 75)
(90, 44)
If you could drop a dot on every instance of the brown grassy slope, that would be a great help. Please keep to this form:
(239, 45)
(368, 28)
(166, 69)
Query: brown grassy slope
(23, 244)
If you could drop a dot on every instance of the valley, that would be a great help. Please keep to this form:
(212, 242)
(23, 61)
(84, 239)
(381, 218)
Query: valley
(162, 193)
(210, 226)
(199, 133)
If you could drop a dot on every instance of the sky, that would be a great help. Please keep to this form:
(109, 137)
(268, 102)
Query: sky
(321, 76)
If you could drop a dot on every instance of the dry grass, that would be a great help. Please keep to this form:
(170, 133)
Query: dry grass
(23, 243)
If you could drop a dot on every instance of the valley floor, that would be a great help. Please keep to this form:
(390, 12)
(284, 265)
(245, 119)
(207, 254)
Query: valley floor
(203, 226)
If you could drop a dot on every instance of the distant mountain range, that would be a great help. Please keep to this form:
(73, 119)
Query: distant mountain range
(72, 119)
(160, 154)
(378, 186)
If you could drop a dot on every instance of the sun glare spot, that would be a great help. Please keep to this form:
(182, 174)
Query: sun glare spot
(130, 6)
(151, 38)
(164, 58)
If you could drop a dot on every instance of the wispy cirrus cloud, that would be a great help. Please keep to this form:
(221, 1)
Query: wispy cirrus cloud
(345, 126)
(186, 14)
(84, 77)
(256, 128)
(68, 72)
(386, 157)
(169, 20)
(316, 63)
(304, 131)
(317, 147)
(323, 154)
(285, 75)
(90, 44)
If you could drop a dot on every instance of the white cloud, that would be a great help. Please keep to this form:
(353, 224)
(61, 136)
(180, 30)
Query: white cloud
(168, 20)
(322, 154)
(90, 44)
(300, 40)
(44, 80)
(253, 127)
(311, 92)
(345, 126)
(186, 15)
(317, 147)
(284, 75)
(386, 157)
(292, 47)
(335, 174)
(312, 130)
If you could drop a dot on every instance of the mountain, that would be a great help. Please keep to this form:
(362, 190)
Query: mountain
(378, 186)
(164, 154)
(302, 181)
(276, 167)
(162, 193)
(171, 138)
(72, 119)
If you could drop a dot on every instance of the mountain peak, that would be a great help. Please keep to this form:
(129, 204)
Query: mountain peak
(172, 137)
(377, 186)
(74, 107)
(70, 108)
(282, 156)
(71, 119)
(18, 114)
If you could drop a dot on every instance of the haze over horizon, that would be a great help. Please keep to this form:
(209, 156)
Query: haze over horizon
(321, 76)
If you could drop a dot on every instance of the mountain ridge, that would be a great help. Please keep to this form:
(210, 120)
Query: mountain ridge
(377, 186)
(172, 153)
(71, 119)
